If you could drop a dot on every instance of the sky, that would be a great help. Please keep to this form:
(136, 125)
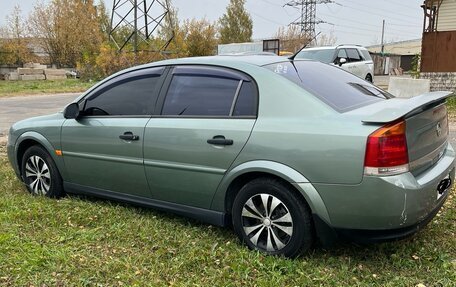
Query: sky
(350, 21)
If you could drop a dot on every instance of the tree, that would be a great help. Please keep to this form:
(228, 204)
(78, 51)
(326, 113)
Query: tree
(291, 38)
(104, 19)
(200, 37)
(68, 28)
(326, 40)
(236, 24)
(15, 45)
(172, 33)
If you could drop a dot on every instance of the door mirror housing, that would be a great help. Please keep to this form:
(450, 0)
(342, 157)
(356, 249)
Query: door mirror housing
(342, 61)
(71, 111)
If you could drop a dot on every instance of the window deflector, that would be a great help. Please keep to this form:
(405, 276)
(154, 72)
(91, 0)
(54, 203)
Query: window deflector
(238, 90)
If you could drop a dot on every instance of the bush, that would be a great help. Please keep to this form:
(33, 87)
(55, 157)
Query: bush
(110, 61)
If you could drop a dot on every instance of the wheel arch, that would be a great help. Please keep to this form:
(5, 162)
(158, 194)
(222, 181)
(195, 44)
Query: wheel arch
(241, 174)
(28, 139)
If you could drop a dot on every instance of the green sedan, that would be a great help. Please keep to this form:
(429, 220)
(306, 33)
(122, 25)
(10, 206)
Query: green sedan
(288, 152)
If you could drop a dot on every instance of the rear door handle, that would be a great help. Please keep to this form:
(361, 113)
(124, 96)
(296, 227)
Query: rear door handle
(129, 136)
(220, 140)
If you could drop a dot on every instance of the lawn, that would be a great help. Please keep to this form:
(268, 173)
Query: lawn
(17, 88)
(88, 242)
(451, 104)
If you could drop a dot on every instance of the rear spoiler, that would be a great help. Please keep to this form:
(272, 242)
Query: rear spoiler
(402, 108)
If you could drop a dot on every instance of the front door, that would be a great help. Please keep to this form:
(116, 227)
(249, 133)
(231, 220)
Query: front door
(103, 148)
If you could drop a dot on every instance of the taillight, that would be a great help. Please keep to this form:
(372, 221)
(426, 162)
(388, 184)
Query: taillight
(386, 151)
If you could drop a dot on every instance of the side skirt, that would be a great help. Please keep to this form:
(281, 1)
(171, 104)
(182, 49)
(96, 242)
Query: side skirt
(205, 215)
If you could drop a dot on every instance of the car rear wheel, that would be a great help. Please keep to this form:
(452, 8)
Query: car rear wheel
(40, 173)
(369, 78)
(269, 217)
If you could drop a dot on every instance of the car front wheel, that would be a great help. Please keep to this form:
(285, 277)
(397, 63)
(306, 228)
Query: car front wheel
(40, 173)
(269, 217)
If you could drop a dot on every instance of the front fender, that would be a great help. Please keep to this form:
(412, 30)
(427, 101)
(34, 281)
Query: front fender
(43, 141)
(300, 182)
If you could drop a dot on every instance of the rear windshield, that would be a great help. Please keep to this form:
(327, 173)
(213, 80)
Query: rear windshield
(337, 88)
(324, 55)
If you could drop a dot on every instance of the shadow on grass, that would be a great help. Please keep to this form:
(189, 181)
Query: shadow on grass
(357, 251)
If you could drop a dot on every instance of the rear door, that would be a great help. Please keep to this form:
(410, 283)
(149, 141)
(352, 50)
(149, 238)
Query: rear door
(205, 117)
(355, 63)
(103, 149)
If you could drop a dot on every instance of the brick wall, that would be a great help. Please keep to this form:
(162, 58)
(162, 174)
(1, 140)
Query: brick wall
(441, 81)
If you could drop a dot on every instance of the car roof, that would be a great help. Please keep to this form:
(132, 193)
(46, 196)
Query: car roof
(228, 60)
(334, 47)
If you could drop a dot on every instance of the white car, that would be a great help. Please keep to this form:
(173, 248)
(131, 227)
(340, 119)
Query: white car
(352, 58)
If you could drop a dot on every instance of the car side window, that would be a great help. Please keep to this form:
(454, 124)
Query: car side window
(134, 96)
(246, 104)
(366, 55)
(209, 91)
(341, 54)
(353, 55)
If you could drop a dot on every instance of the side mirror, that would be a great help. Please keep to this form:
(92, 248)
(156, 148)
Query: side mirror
(342, 61)
(71, 111)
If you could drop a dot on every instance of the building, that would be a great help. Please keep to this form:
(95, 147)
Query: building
(407, 50)
(438, 54)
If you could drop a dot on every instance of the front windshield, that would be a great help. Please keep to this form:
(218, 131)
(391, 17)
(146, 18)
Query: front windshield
(325, 55)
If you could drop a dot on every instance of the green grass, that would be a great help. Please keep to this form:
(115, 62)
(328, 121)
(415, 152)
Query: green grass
(88, 242)
(451, 104)
(16, 88)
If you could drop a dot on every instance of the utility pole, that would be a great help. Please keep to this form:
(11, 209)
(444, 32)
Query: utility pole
(308, 18)
(383, 37)
(141, 18)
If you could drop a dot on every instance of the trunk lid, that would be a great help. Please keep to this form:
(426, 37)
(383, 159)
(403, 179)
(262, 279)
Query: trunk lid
(427, 137)
(426, 126)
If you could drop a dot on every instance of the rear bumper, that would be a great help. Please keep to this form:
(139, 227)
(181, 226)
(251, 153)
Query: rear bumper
(375, 236)
(386, 208)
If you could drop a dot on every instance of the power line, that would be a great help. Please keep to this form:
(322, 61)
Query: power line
(373, 13)
(365, 24)
(388, 11)
(376, 31)
(399, 4)
(267, 19)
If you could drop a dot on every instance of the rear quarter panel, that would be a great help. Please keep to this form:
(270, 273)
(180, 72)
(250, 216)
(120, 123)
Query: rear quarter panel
(297, 129)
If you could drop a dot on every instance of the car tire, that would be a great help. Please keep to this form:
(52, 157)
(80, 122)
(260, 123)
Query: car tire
(284, 227)
(369, 78)
(40, 174)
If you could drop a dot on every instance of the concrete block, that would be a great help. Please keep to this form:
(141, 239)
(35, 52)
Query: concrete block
(55, 77)
(31, 77)
(29, 71)
(13, 76)
(54, 72)
(34, 66)
(38, 66)
(408, 88)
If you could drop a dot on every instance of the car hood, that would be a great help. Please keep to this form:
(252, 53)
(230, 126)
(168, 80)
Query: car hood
(37, 122)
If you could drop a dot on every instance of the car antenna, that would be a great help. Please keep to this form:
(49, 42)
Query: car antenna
(303, 47)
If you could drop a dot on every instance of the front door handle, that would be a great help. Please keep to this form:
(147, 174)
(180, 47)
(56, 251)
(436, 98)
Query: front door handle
(129, 136)
(220, 140)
